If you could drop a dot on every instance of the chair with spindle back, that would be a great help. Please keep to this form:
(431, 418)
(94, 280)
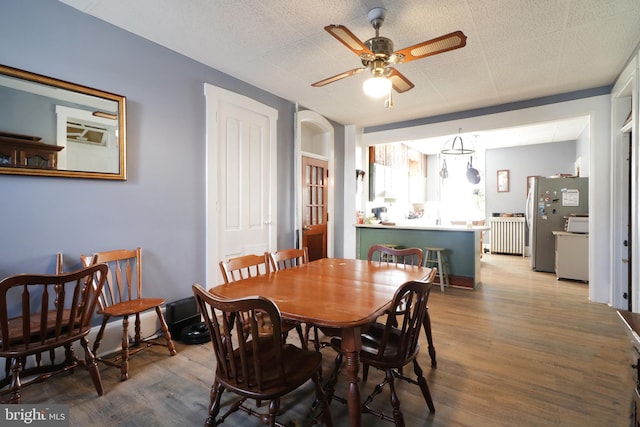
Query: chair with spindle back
(407, 256)
(122, 297)
(244, 266)
(55, 312)
(386, 254)
(392, 345)
(247, 266)
(252, 365)
(287, 258)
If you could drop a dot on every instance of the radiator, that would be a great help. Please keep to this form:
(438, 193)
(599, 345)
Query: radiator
(507, 235)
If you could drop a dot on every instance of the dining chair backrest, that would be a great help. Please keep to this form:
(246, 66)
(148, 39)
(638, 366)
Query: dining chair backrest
(288, 258)
(54, 308)
(403, 331)
(124, 276)
(384, 254)
(253, 365)
(236, 341)
(40, 313)
(245, 266)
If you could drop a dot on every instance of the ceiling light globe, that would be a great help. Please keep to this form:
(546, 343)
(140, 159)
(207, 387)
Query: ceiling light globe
(377, 87)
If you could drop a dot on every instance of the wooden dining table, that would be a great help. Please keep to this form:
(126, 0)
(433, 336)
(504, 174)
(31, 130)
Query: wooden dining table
(345, 294)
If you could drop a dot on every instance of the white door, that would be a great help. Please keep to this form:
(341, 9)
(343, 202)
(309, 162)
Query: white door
(241, 178)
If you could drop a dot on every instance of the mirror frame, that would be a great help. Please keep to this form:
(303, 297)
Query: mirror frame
(64, 85)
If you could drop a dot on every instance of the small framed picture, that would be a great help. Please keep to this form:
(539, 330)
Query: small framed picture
(503, 181)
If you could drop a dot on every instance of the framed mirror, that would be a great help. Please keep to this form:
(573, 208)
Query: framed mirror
(51, 127)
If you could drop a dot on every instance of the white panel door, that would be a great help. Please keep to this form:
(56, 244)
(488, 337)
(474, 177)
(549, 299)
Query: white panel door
(241, 178)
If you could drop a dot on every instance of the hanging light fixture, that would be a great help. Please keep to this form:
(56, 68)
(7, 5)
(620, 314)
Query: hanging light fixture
(376, 87)
(455, 147)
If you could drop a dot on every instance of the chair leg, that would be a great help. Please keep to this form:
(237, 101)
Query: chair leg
(322, 398)
(92, 366)
(274, 408)
(395, 401)
(96, 343)
(16, 384)
(165, 331)
(305, 342)
(301, 335)
(137, 338)
(424, 387)
(426, 324)
(124, 367)
(316, 339)
(333, 379)
(214, 403)
(365, 372)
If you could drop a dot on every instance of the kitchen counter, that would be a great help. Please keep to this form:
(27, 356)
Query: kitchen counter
(462, 244)
(410, 226)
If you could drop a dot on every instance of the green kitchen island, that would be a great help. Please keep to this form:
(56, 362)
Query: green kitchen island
(463, 246)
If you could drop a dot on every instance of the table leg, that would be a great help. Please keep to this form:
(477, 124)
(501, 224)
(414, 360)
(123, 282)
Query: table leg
(351, 346)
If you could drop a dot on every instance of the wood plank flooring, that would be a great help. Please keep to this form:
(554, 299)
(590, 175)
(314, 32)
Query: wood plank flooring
(525, 349)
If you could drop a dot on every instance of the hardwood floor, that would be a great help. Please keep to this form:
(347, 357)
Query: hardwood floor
(524, 349)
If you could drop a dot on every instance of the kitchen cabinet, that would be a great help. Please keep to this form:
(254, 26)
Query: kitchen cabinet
(572, 256)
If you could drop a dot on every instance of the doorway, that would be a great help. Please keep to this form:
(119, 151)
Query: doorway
(315, 148)
(315, 176)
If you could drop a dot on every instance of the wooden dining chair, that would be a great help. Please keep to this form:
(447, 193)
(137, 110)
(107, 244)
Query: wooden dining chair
(288, 258)
(385, 254)
(251, 365)
(122, 297)
(407, 256)
(40, 314)
(391, 346)
(246, 266)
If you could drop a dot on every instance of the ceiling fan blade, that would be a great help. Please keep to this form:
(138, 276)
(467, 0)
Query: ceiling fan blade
(441, 44)
(348, 39)
(399, 82)
(338, 77)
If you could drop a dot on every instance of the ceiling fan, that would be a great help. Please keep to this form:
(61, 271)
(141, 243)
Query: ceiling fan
(378, 56)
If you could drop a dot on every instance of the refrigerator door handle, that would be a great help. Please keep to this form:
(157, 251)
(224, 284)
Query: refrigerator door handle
(528, 212)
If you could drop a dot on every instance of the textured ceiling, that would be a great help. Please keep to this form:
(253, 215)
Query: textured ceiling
(516, 49)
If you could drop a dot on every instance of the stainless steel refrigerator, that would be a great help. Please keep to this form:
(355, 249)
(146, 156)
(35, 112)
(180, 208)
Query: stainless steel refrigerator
(549, 202)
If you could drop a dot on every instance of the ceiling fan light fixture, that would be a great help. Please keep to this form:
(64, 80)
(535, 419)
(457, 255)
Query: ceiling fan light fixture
(377, 87)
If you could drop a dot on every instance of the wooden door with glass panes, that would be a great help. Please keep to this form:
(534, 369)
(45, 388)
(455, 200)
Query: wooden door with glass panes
(314, 207)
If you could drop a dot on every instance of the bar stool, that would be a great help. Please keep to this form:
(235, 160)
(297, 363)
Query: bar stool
(437, 256)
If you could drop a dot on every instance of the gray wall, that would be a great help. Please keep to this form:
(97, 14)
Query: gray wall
(162, 205)
(540, 160)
